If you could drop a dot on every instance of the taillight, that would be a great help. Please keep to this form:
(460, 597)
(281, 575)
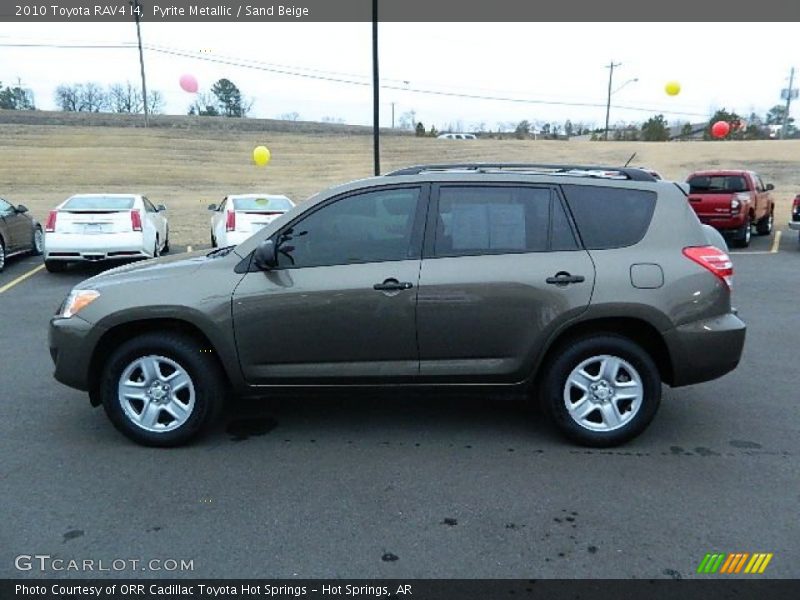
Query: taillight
(230, 222)
(51, 221)
(737, 200)
(713, 259)
(796, 206)
(136, 220)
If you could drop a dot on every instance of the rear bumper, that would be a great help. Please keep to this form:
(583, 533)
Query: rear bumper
(71, 343)
(795, 225)
(706, 349)
(104, 246)
(724, 223)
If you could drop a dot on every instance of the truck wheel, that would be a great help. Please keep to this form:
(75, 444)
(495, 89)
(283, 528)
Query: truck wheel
(742, 239)
(764, 225)
(601, 390)
(161, 390)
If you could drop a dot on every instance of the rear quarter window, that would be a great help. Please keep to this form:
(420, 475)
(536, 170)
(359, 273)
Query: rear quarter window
(609, 217)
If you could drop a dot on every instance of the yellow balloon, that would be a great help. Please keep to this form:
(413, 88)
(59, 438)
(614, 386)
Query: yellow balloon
(673, 88)
(261, 155)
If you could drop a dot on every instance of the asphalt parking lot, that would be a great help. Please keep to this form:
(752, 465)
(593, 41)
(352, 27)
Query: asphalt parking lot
(407, 486)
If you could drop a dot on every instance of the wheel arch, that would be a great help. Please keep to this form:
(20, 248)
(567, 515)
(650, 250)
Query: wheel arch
(118, 334)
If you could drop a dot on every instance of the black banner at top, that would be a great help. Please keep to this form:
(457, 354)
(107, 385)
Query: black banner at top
(710, 11)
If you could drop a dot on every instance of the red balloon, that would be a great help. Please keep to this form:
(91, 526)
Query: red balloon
(720, 129)
(189, 83)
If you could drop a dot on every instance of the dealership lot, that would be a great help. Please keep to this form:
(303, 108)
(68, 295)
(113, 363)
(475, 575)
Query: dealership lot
(408, 486)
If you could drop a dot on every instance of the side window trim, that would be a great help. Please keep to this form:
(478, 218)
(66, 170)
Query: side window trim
(417, 232)
(429, 249)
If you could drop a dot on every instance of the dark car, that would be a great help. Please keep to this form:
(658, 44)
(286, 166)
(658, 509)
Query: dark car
(584, 287)
(19, 232)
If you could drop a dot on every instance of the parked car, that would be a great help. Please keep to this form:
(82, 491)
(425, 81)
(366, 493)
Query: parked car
(585, 291)
(732, 201)
(238, 217)
(100, 227)
(457, 136)
(19, 232)
(794, 224)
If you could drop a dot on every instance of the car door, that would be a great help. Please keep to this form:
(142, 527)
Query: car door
(501, 270)
(340, 306)
(156, 218)
(16, 227)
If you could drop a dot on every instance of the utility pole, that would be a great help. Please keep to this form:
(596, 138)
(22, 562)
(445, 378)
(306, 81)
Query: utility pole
(393, 103)
(789, 92)
(610, 68)
(136, 8)
(375, 90)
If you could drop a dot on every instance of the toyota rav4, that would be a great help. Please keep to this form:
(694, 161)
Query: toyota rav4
(585, 287)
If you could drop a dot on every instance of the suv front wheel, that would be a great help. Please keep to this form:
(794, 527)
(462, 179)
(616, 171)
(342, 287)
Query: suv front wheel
(602, 390)
(161, 390)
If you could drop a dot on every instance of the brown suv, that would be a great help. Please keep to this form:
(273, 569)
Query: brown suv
(587, 287)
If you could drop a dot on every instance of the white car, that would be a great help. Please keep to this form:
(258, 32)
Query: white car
(98, 227)
(239, 216)
(457, 136)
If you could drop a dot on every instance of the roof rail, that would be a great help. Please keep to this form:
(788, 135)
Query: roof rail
(631, 173)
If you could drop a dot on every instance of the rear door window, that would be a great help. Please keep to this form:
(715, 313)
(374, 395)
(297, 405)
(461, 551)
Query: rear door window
(609, 217)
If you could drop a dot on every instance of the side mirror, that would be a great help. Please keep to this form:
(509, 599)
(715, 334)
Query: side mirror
(770, 187)
(161, 207)
(266, 256)
(22, 208)
(212, 207)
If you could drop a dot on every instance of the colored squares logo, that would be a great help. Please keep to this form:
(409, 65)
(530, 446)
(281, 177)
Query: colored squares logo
(735, 562)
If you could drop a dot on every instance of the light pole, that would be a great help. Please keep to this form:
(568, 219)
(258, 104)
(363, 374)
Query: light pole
(136, 8)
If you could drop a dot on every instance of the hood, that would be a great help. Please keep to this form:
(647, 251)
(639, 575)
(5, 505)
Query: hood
(148, 270)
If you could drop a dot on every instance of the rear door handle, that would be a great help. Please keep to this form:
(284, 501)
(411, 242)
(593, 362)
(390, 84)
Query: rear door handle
(392, 285)
(564, 278)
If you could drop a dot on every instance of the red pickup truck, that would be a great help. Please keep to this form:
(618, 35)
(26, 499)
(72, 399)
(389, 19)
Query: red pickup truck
(732, 202)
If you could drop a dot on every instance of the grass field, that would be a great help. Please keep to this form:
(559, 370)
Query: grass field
(189, 168)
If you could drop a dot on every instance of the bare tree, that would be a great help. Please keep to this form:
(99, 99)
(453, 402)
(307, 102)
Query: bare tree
(125, 98)
(155, 103)
(68, 98)
(290, 116)
(91, 97)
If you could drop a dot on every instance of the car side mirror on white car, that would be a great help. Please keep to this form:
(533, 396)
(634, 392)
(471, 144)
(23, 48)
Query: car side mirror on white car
(212, 207)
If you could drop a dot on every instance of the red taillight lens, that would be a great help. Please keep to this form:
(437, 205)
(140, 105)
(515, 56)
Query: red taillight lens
(713, 259)
(136, 220)
(230, 222)
(51, 221)
(796, 204)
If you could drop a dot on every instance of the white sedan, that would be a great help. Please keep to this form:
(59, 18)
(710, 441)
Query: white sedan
(239, 216)
(99, 227)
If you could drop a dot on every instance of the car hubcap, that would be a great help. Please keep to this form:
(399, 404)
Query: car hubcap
(747, 232)
(2, 256)
(156, 393)
(603, 393)
(37, 240)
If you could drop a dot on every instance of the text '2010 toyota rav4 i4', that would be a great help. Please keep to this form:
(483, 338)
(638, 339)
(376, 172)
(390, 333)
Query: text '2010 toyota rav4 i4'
(586, 287)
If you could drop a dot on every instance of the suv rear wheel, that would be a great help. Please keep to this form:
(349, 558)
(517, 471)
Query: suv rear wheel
(601, 390)
(161, 390)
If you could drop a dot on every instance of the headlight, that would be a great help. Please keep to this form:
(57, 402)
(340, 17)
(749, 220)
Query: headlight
(77, 301)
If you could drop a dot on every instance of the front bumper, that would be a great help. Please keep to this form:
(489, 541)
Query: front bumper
(705, 349)
(72, 342)
(104, 246)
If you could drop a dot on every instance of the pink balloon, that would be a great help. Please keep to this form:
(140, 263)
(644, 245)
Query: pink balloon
(189, 83)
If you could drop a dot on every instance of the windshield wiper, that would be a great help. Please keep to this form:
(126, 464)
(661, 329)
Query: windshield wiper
(224, 251)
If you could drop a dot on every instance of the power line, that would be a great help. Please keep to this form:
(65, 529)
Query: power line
(295, 72)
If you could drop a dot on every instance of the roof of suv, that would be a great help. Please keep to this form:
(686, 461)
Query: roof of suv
(594, 171)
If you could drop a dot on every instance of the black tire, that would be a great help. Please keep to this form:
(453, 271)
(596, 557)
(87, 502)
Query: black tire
(156, 249)
(742, 239)
(213, 241)
(204, 374)
(165, 249)
(2, 255)
(764, 226)
(55, 266)
(569, 357)
(34, 250)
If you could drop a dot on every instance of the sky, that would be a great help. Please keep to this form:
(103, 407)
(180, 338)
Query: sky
(718, 65)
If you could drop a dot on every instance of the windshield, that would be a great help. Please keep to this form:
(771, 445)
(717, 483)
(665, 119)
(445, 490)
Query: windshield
(99, 202)
(717, 184)
(276, 203)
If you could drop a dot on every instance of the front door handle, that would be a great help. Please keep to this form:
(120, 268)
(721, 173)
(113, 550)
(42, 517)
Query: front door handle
(564, 278)
(392, 285)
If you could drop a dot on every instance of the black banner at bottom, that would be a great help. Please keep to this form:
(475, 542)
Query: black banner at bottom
(410, 589)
